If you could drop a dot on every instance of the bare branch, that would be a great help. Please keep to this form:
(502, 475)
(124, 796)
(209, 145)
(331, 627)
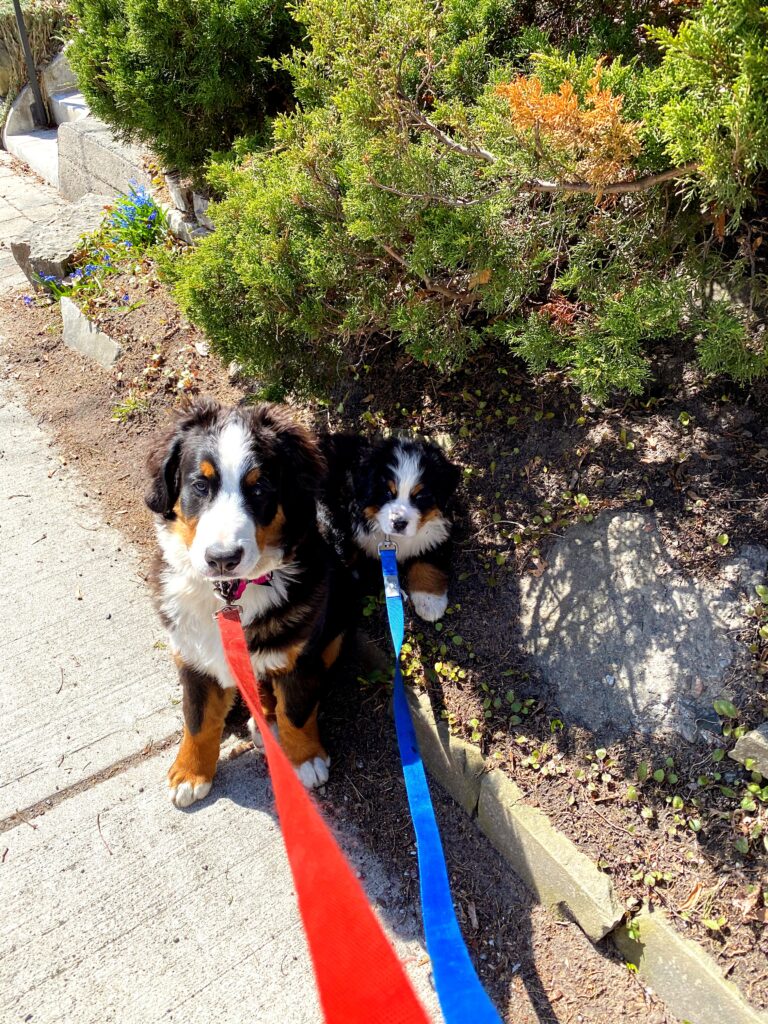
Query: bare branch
(475, 152)
(612, 188)
(429, 284)
(538, 184)
(429, 198)
(391, 252)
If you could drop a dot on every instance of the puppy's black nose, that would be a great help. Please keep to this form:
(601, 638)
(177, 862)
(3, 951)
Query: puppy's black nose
(223, 559)
(399, 525)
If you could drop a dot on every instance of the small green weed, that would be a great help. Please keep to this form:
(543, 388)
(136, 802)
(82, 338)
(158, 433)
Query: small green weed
(133, 405)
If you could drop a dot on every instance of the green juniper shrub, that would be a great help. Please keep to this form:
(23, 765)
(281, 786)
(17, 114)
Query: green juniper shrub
(445, 186)
(184, 78)
(710, 98)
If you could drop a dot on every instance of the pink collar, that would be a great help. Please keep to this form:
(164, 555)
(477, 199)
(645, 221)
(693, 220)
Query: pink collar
(242, 584)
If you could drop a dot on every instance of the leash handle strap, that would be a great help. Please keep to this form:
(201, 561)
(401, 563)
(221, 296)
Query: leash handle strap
(359, 977)
(462, 997)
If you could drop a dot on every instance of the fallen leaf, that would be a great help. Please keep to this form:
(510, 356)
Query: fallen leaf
(481, 277)
(748, 907)
(691, 899)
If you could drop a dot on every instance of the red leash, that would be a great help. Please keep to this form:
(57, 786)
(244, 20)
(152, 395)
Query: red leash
(359, 977)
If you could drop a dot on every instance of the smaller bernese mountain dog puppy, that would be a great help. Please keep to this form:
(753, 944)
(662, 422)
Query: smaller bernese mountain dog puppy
(234, 493)
(394, 490)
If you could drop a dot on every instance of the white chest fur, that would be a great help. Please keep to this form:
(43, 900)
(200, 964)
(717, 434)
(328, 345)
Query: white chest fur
(433, 533)
(189, 603)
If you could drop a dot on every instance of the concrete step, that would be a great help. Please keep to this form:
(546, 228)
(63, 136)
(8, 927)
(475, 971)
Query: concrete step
(91, 159)
(39, 150)
(68, 105)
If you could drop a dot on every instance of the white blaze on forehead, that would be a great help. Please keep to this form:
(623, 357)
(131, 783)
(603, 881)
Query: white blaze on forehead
(235, 456)
(406, 469)
(227, 521)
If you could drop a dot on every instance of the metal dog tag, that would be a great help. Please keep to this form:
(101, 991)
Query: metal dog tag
(391, 581)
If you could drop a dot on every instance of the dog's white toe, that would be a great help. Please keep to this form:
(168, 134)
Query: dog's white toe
(314, 772)
(186, 793)
(258, 742)
(429, 607)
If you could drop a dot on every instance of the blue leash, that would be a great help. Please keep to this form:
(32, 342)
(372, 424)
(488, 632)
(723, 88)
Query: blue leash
(462, 998)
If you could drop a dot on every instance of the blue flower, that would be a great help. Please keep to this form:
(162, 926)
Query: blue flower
(78, 273)
(127, 244)
(138, 193)
(47, 277)
(28, 300)
(152, 216)
(90, 268)
(126, 298)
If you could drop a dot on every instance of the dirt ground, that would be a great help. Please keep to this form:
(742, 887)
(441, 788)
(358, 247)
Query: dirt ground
(697, 451)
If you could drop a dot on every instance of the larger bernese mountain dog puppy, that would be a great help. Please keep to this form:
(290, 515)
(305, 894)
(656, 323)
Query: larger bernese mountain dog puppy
(398, 490)
(234, 493)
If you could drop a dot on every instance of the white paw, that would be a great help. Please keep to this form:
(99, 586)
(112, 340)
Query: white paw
(187, 793)
(253, 729)
(314, 772)
(429, 607)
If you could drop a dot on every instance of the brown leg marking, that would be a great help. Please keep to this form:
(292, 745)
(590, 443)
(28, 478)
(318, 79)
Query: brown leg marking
(427, 578)
(299, 744)
(268, 700)
(332, 651)
(199, 751)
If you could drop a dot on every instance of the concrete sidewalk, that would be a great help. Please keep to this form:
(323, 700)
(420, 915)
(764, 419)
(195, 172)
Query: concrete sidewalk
(116, 906)
(23, 202)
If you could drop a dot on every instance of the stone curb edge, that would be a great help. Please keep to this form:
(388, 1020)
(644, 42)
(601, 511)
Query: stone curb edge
(678, 970)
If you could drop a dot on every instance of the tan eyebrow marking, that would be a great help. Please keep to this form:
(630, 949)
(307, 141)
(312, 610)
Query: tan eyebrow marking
(417, 489)
(207, 469)
(392, 486)
(252, 476)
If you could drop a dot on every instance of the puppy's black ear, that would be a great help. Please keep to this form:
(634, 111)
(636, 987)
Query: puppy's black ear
(342, 453)
(302, 464)
(163, 469)
(302, 470)
(165, 456)
(445, 473)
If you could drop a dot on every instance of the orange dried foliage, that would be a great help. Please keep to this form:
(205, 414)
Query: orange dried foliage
(591, 138)
(560, 310)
